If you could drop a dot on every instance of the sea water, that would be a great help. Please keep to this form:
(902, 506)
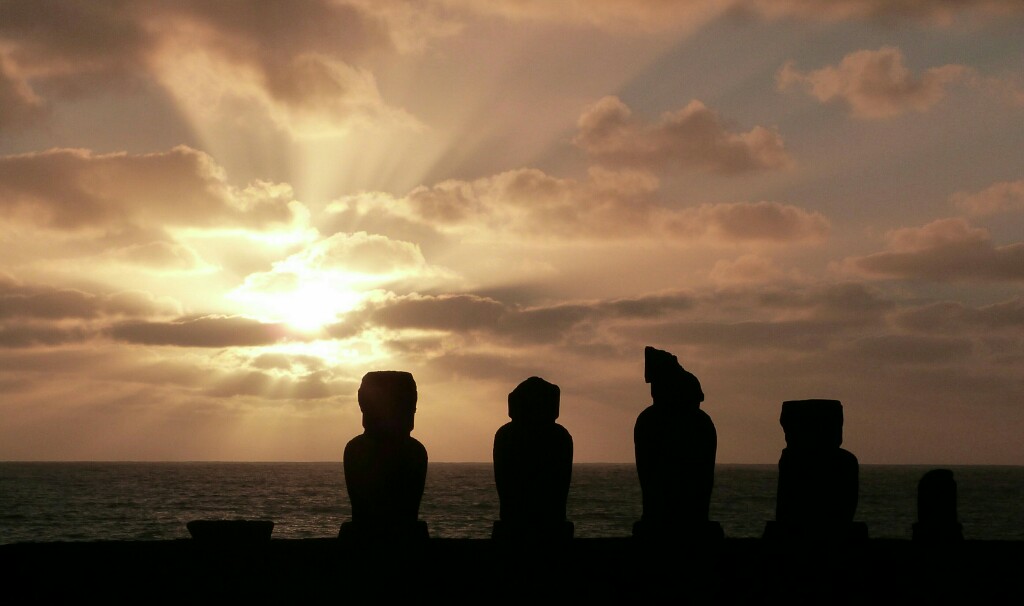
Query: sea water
(153, 501)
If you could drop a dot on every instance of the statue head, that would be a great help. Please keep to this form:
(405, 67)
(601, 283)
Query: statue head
(534, 401)
(387, 399)
(670, 382)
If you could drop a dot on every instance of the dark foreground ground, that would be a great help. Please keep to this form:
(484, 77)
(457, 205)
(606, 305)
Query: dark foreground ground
(598, 571)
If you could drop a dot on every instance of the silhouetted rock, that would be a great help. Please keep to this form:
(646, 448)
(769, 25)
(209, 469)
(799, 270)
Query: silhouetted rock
(937, 519)
(385, 467)
(818, 481)
(676, 445)
(533, 466)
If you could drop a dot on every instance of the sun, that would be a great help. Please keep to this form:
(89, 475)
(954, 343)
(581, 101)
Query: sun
(306, 304)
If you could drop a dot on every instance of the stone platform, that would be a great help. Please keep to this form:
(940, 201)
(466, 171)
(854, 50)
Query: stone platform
(729, 571)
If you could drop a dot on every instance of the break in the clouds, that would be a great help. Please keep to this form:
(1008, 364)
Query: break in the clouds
(1002, 197)
(945, 250)
(300, 58)
(874, 84)
(68, 189)
(691, 138)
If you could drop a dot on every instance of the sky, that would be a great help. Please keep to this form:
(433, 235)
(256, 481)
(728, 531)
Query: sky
(216, 217)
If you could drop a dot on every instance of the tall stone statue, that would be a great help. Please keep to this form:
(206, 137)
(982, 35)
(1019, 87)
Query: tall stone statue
(818, 480)
(676, 445)
(533, 466)
(385, 467)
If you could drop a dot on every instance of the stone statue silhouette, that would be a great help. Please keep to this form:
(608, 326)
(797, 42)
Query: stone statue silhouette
(385, 467)
(937, 520)
(675, 444)
(818, 481)
(533, 466)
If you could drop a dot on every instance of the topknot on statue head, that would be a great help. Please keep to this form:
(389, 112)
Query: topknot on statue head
(387, 399)
(534, 401)
(662, 367)
(812, 423)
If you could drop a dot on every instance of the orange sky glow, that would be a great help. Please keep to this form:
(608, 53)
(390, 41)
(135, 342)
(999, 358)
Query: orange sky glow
(215, 217)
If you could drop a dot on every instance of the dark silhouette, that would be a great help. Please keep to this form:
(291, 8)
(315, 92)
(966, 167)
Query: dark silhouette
(818, 481)
(230, 531)
(385, 467)
(533, 466)
(936, 508)
(676, 445)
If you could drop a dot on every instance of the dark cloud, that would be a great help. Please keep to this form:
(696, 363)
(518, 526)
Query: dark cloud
(946, 250)
(70, 189)
(206, 331)
(694, 137)
(42, 335)
(20, 300)
(272, 387)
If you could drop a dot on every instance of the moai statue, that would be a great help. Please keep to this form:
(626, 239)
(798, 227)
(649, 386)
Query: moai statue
(385, 467)
(675, 444)
(937, 520)
(533, 466)
(818, 481)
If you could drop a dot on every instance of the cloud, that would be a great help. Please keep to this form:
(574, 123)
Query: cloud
(752, 221)
(874, 84)
(299, 58)
(912, 349)
(205, 331)
(946, 250)
(19, 105)
(647, 15)
(750, 268)
(20, 300)
(692, 138)
(69, 189)
(1003, 197)
(32, 334)
(608, 205)
(954, 317)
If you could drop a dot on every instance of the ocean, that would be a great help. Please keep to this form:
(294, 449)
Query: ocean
(90, 501)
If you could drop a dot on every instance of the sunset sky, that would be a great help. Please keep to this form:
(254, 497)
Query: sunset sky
(215, 217)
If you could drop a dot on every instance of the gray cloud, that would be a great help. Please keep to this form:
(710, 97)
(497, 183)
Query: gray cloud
(693, 138)
(946, 250)
(69, 189)
(954, 317)
(21, 300)
(205, 331)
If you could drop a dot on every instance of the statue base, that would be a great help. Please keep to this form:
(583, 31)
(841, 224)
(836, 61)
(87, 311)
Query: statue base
(703, 531)
(931, 532)
(532, 532)
(851, 532)
(410, 532)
